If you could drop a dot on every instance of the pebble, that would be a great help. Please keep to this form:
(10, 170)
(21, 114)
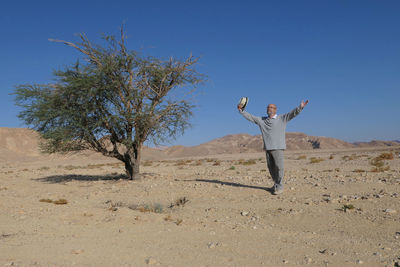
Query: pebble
(390, 211)
(244, 213)
(285, 261)
(359, 262)
(151, 261)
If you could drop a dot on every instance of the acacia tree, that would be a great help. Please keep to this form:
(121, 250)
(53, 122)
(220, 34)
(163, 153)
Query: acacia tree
(111, 104)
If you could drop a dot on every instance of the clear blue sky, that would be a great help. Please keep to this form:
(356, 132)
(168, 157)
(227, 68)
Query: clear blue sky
(344, 56)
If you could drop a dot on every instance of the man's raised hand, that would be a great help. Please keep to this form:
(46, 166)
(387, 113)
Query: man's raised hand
(303, 104)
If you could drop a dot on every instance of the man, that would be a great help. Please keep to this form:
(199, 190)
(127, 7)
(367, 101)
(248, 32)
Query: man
(273, 133)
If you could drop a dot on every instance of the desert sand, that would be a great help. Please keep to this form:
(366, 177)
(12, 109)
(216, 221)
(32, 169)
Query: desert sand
(79, 210)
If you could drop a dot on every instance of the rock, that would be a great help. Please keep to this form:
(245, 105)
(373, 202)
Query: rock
(212, 245)
(77, 251)
(244, 213)
(391, 211)
(359, 262)
(285, 261)
(151, 261)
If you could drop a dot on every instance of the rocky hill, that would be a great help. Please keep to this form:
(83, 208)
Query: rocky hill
(22, 144)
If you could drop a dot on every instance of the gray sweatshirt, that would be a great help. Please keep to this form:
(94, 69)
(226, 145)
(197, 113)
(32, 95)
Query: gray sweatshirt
(273, 130)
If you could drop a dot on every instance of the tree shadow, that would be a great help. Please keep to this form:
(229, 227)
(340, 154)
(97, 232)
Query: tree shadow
(54, 179)
(214, 181)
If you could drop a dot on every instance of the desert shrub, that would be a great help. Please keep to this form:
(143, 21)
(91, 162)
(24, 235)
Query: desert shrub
(379, 164)
(301, 157)
(351, 157)
(247, 162)
(232, 168)
(147, 163)
(316, 160)
(383, 156)
(180, 163)
(198, 163)
(61, 201)
(358, 170)
(347, 207)
(217, 163)
(179, 202)
(44, 168)
(156, 208)
(331, 156)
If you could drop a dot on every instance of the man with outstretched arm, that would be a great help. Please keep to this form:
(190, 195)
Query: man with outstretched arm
(273, 133)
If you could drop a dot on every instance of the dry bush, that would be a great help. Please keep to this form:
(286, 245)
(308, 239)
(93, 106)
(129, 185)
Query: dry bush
(379, 164)
(180, 163)
(197, 163)
(217, 163)
(44, 168)
(179, 202)
(331, 156)
(147, 163)
(359, 170)
(232, 168)
(316, 160)
(301, 157)
(327, 170)
(61, 201)
(383, 156)
(156, 208)
(247, 162)
(351, 157)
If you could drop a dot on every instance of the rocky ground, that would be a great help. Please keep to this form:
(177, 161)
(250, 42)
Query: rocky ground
(339, 208)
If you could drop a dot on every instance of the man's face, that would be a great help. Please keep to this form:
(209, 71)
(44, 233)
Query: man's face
(271, 110)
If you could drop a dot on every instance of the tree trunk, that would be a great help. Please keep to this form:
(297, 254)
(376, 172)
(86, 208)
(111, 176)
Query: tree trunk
(132, 163)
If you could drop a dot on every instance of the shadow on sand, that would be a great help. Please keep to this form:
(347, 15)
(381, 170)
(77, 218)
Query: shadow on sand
(214, 181)
(76, 177)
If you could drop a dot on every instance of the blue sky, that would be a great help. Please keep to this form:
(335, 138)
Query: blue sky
(344, 56)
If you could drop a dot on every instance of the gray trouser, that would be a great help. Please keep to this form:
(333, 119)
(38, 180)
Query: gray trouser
(275, 166)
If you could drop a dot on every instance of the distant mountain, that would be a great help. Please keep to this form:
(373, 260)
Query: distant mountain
(377, 143)
(245, 143)
(22, 144)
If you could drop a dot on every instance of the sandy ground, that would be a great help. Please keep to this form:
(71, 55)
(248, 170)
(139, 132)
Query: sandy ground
(214, 211)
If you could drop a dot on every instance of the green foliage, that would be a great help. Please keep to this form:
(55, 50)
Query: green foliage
(113, 103)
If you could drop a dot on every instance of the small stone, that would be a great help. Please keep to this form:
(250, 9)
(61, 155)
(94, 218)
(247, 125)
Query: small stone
(359, 262)
(211, 245)
(391, 211)
(151, 261)
(285, 261)
(77, 251)
(244, 213)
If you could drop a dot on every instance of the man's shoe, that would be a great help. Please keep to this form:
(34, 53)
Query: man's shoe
(277, 191)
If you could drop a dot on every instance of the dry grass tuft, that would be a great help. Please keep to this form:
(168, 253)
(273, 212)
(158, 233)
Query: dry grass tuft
(379, 164)
(217, 163)
(301, 157)
(156, 208)
(247, 162)
(179, 202)
(316, 160)
(359, 170)
(61, 201)
(147, 163)
(384, 156)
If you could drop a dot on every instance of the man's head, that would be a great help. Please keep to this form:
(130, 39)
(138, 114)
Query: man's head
(271, 110)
